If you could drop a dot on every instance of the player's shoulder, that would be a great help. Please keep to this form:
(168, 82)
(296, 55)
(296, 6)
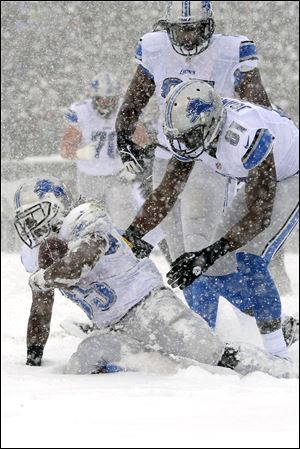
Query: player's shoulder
(234, 45)
(154, 42)
(85, 218)
(75, 110)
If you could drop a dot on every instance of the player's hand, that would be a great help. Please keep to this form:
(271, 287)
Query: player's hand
(138, 246)
(125, 175)
(37, 281)
(190, 266)
(86, 153)
(133, 156)
(34, 355)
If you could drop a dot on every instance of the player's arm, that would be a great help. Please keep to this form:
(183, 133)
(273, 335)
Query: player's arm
(136, 98)
(251, 89)
(38, 327)
(247, 79)
(138, 94)
(67, 271)
(260, 195)
(159, 203)
(70, 142)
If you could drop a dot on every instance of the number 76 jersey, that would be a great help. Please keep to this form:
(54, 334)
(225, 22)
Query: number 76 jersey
(100, 131)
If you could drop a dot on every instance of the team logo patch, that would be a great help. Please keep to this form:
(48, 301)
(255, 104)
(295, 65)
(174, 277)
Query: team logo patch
(196, 107)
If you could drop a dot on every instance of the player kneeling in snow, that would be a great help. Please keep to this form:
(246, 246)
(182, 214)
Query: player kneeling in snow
(92, 265)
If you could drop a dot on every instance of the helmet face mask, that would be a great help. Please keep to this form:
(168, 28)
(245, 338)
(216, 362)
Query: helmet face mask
(193, 118)
(105, 91)
(105, 106)
(41, 205)
(190, 26)
(190, 39)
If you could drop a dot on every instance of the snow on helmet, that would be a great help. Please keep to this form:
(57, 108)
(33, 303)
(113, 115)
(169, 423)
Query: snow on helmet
(40, 206)
(193, 117)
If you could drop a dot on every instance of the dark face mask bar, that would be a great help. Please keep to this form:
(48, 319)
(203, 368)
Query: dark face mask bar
(190, 37)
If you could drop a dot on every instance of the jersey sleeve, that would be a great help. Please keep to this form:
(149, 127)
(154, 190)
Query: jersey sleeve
(147, 51)
(29, 258)
(248, 59)
(260, 146)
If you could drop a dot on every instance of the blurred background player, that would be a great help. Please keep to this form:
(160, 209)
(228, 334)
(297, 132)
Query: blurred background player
(90, 140)
(184, 46)
(124, 297)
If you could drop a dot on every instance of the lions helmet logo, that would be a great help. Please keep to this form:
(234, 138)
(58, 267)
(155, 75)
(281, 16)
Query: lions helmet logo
(196, 107)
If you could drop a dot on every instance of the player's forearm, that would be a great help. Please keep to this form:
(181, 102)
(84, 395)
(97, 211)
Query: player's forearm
(161, 201)
(136, 98)
(67, 271)
(38, 327)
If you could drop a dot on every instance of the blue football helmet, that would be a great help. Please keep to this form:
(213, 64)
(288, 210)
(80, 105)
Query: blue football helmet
(40, 206)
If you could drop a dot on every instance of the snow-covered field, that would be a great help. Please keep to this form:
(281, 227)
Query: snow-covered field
(42, 407)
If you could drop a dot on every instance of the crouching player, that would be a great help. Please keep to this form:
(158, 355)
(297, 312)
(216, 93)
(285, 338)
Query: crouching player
(77, 250)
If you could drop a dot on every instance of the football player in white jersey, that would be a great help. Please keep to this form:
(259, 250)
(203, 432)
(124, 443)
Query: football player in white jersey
(242, 141)
(123, 296)
(90, 140)
(186, 47)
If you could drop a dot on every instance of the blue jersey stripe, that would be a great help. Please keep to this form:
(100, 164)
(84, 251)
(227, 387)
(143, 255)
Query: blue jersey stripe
(259, 149)
(275, 244)
(139, 52)
(71, 116)
(247, 51)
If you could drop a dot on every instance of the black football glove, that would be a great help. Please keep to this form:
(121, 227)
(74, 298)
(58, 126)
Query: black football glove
(133, 156)
(138, 246)
(34, 355)
(189, 266)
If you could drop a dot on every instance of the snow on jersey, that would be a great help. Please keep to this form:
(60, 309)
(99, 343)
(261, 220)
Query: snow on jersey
(117, 282)
(221, 65)
(249, 135)
(99, 130)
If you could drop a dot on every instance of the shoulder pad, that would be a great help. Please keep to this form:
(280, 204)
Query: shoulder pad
(259, 149)
(154, 42)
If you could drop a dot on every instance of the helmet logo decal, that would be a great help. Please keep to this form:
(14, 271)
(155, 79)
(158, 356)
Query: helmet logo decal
(196, 107)
(44, 186)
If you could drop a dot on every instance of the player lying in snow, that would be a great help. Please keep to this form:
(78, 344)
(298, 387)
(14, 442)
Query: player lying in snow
(124, 297)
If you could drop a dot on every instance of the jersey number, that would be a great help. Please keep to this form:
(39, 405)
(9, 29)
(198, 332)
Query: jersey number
(100, 294)
(101, 137)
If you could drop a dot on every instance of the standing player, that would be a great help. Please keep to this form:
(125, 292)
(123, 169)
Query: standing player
(186, 47)
(90, 140)
(242, 141)
(123, 296)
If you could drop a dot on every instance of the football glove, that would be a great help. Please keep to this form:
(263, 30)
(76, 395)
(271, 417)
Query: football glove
(133, 156)
(138, 246)
(86, 153)
(189, 266)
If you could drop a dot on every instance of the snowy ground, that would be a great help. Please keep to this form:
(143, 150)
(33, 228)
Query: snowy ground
(42, 407)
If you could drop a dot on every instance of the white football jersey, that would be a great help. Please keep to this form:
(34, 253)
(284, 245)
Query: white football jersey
(249, 135)
(99, 130)
(117, 282)
(221, 65)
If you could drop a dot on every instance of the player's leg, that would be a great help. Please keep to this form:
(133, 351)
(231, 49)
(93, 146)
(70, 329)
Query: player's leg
(163, 322)
(112, 352)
